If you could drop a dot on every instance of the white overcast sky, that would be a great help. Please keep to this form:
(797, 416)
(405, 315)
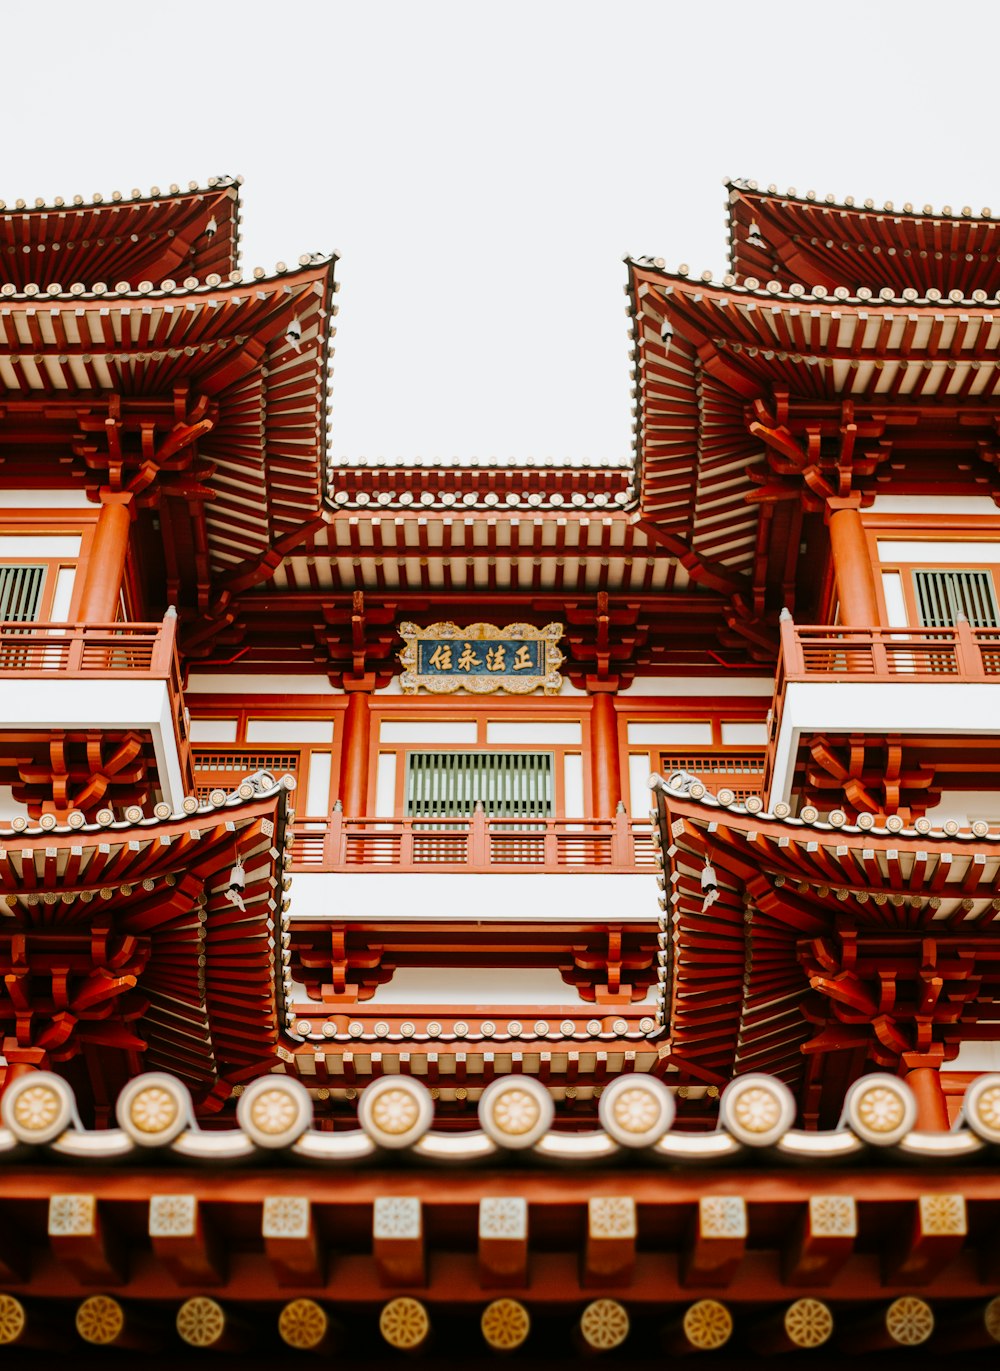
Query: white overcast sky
(483, 167)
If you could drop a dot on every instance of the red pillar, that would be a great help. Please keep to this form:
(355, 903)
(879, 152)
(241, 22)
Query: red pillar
(102, 583)
(932, 1107)
(354, 755)
(852, 565)
(605, 769)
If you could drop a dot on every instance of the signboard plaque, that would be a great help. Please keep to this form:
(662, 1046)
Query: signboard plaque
(481, 658)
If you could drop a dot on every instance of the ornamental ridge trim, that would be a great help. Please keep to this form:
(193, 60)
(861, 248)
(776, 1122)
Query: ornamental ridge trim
(481, 658)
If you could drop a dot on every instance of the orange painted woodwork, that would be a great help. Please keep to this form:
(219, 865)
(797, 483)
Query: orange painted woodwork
(852, 565)
(932, 1107)
(604, 756)
(105, 570)
(354, 752)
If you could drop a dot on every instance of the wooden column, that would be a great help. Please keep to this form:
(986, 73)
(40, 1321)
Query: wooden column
(291, 1241)
(609, 1252)
(852, 566)
(936, 1232)
(185, 1241)
(932, 1107)
(354, 754)
(398, 1240)
(102, 583)
(605, 767)
(822, 1241)
(717, 1241)
(503, 1241)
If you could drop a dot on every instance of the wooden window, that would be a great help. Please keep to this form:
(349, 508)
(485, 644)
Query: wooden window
(21, 593)
(740, 770)
(516, 785)
(942, 595)
(217, 770)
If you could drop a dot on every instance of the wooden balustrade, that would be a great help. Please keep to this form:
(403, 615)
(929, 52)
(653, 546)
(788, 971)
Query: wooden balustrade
(811, 652)
(825, 654)
(83, 651)
(476, 843)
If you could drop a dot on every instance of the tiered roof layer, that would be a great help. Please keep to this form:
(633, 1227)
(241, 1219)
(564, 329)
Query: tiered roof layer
(124, 238)
(820, 241)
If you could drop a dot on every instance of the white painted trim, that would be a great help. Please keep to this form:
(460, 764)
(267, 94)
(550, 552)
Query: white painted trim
(385, 785)
(953, 551)
(472, 985)
(535, 734)
(491, 897)
(289, 731)
(725, 683)
(45, 499)
(232, 683)
(638, 784)
(895, 601)
(663, 734)
(933, 504)
(213, 730)
(318, 791)
(63, 597)
(101, 704)
(15, 546)
(742, 733)
(573, 797)
(428, 731)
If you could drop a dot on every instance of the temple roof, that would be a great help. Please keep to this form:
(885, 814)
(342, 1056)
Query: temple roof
(423, 487)
(744, 1233)
(275, 1114)
(789, 960)
(219, 389)
(143, 906)
(820, 241)
(123, 238)
(740, 387)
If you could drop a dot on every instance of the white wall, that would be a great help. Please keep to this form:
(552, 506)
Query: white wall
(9, 807)
(597, 896)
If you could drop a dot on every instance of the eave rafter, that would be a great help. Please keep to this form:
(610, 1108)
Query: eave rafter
(358, 644)
(194, 232)
(126, 935)
(213, 396)
(752, 403)
(882, 947)
(819, 241)
(277, 627)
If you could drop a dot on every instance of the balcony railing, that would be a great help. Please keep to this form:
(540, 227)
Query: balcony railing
(810, 653)
(476, 843)
(101, 652)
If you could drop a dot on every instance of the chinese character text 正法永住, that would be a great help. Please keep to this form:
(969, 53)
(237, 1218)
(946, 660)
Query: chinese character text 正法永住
(468, 659)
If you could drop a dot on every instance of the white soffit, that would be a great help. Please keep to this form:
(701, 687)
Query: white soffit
(933, 504)
(659, 734)
(451, 896)
(18, 545)
(45, 499)
(289, 731)
(733, 683)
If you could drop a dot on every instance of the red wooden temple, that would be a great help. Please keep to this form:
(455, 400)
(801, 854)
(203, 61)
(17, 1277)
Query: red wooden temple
(545, 908)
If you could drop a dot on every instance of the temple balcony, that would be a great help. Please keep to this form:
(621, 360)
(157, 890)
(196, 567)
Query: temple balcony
(92, 713)
(375, 869)
(881, 719)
